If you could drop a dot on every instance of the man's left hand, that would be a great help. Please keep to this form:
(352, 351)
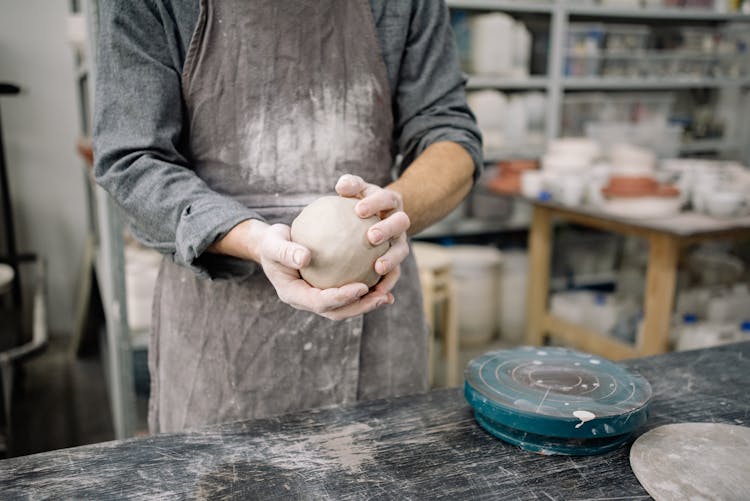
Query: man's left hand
(389, 206)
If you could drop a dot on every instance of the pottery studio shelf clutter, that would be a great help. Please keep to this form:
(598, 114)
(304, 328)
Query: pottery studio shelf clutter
(620, 121)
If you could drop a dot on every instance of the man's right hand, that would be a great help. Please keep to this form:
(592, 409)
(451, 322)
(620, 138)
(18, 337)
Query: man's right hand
(281, 259)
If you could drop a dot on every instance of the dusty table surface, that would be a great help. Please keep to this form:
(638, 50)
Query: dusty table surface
(419, 447)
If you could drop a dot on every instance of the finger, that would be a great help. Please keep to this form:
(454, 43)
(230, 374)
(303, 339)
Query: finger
(277, 247)
(353, 186)
(303, 296)
(388, 282)
(350, 185)
(389, 228)
(332, 299)
(378, 201)
(393, 257)
(367, 304)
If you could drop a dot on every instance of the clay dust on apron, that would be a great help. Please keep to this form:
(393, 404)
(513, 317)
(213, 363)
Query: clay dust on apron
(282, 97)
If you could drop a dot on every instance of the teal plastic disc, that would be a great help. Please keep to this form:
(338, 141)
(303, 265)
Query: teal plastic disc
(556, 400)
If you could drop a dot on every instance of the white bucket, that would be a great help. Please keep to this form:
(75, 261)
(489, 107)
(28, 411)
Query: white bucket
(511, 311)
(141, 270)
(475, 272)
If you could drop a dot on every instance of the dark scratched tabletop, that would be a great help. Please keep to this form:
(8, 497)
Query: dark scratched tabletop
(419, 447)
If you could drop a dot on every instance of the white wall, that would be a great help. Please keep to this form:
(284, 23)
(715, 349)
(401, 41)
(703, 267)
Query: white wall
(40, 128)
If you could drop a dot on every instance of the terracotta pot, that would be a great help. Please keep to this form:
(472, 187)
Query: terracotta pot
(518, 165)
(632, 186)
(505, 184)
(659, 190)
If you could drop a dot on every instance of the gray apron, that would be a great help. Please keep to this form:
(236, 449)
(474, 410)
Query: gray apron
(282, 97)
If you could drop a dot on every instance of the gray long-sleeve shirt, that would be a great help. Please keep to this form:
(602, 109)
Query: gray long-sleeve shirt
(139, 138)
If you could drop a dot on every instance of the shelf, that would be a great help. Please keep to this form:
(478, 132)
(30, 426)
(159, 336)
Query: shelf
(506, 83)
(470, 227)
(533, 152)
(522, 6)
(603, 83)
(584, 280)
(701, 145)
(661, 14)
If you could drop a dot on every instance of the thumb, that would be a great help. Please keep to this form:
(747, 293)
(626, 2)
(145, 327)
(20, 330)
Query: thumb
(291, 255)
(278, 247)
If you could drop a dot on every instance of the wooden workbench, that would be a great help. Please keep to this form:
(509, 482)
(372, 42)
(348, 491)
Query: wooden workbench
(420, 447)
(665, 236)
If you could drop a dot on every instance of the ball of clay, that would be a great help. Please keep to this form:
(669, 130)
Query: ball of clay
(337, 239)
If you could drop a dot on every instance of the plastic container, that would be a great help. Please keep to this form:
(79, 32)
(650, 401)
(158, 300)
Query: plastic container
(141, 270)
(475, 272)
(661, 138)
(572, 306)
(585, 38)
(632, 107)
(621, 65)
(521, 50)
(602, 315)
(744, 332)
(582, 65)
(626, 38)
(583, 49)
(688, 332)
(696, 335)
(513, 283)
(492, 44)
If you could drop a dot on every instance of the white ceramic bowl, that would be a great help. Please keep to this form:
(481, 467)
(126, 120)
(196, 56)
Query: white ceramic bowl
(565, 164)
(725, 204)
(642, 207)
(581, 147)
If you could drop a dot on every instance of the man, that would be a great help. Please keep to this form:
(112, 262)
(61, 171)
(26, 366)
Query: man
(216, 123)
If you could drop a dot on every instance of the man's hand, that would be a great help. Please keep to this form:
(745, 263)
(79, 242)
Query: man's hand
(388, 205)
(281, 259)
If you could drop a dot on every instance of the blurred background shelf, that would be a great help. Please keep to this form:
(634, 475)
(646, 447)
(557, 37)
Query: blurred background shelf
(604, 83)
(645, 13)
(521, 6)
(504, 83)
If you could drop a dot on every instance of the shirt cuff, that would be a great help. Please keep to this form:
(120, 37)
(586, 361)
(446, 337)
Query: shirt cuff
(201, 224)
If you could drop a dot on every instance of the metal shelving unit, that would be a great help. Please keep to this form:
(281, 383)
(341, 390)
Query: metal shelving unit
(108, 260)
(559, 14)
(521, 6)
(489, 82)
(604, 83)
(580, 9)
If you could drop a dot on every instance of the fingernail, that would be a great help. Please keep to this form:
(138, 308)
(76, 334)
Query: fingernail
(361, 209)
(380, 303)
(382, 267)
(298, 256)
(391, 299)
(362, 291)
(376, 237)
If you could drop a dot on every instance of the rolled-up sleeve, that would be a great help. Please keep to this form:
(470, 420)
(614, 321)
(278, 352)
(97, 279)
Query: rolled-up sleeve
(430, 98)
(138, 136)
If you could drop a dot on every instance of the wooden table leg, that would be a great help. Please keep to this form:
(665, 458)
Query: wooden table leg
(428, 304)
(450, 340)
(540, 251)
(661, 279)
